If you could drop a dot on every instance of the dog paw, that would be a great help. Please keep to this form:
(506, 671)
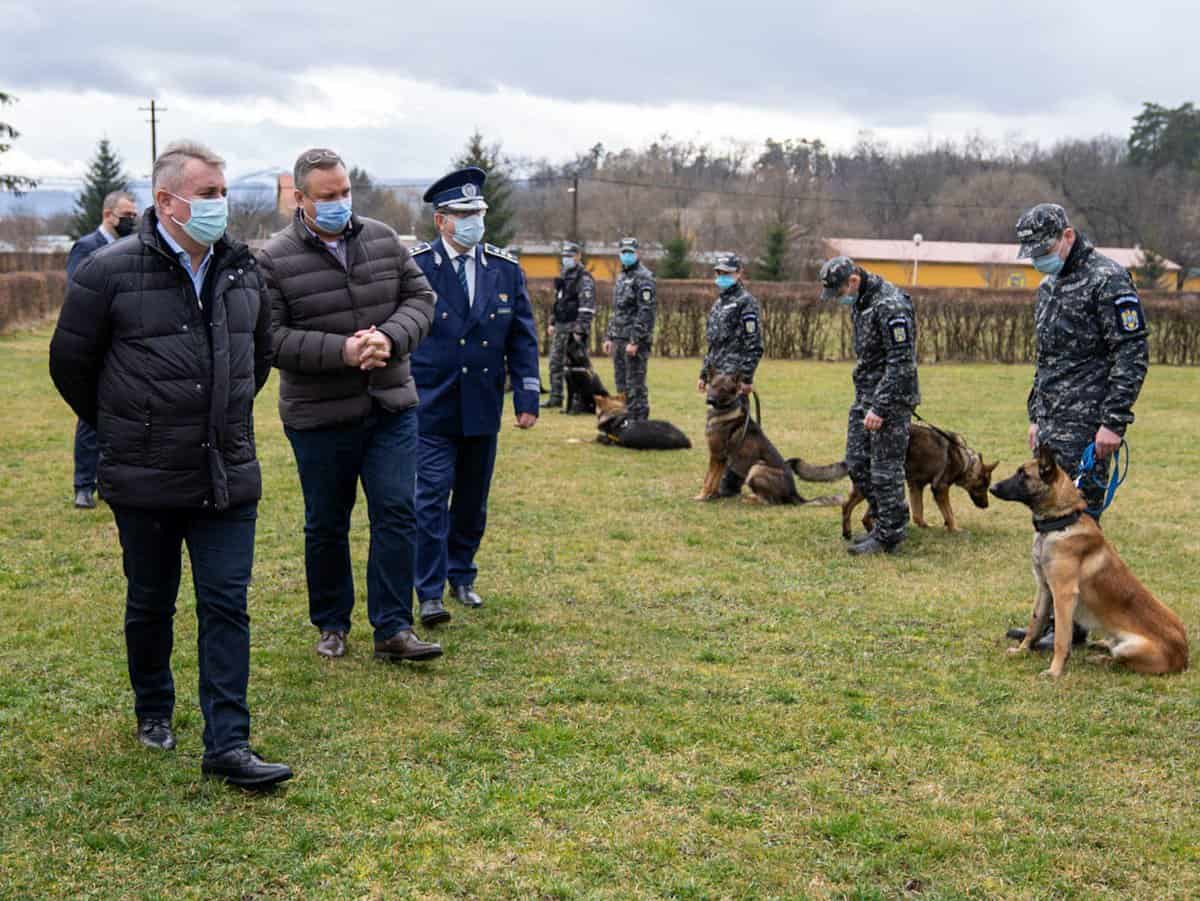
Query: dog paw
(1049, 674)
(1099, 659)
(1019, 649)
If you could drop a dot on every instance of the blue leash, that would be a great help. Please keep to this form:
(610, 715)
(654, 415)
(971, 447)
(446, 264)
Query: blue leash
(1087, 463)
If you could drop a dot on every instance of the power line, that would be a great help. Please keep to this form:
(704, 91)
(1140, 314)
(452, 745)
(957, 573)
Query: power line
(153, 120)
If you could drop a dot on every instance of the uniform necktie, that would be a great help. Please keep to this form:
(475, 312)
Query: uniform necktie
(461, 263)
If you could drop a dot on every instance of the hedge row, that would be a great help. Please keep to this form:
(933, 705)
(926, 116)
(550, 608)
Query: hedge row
(961, 325)
(952, 324)
(30, 297)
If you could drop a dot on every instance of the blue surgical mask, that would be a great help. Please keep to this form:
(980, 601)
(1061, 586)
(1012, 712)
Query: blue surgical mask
(469, 231)
(847, 300)
(332, 215)
(1049, 264)
(568, 263)
(725, 282)
(628, 258)
(210, 216)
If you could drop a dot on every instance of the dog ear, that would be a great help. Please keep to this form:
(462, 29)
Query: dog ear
(989, 468)
(1046, 464)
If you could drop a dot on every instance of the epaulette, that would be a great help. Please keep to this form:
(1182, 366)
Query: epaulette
(497, 252)
(423, 247)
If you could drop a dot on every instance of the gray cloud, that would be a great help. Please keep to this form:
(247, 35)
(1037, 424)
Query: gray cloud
(893, 64)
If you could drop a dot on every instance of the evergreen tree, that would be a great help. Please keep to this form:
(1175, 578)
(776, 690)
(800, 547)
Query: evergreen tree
(501, 227)
(772, 266)
(676, 262)
(103, 177)
(1153, 268)
(14, 183)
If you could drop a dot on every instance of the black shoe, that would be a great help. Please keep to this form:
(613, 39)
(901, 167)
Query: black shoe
(432, 612)
(155, 732)
(245, 769)
(466, 595)
(1079, 637)
(84, 499)
(871, 545)
(555, 403)
(405, 645)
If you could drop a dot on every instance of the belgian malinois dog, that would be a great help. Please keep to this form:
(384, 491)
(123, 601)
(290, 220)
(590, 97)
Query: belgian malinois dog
(737, 442)
(583, 385)
(1079, 570)
(938, 459)
(615, 427)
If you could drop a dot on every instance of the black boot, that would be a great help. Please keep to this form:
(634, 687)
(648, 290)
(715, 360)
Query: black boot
(731, 484)
(1079, 637)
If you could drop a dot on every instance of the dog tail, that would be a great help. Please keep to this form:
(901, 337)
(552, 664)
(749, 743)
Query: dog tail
(825, 500)
(810, 473)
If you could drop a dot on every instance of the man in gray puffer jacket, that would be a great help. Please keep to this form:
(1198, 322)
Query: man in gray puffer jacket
(348, 306)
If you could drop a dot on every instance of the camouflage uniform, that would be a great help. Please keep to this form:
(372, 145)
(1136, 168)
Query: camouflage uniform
(632, 322)
(885, 381)
(1092, 356)
(734, 334)
(574, 309)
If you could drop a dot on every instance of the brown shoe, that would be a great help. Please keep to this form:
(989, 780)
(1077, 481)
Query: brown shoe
(406, 646)
(332, 644)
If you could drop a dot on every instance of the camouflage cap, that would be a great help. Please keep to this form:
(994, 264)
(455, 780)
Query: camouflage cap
(1039, 228)
(627, 244)
(569, 247)
(728, 262)
(834, 273)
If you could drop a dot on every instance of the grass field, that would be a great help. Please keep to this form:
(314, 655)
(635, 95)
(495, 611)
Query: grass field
(660, 699)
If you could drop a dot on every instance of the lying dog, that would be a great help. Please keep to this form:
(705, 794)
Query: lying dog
(1079, 570)
(737, 443)
(583, 385)
(938, 459)
(642, 434)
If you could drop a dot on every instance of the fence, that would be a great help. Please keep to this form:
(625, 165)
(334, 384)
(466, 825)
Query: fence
(953, 324)
(959, 325)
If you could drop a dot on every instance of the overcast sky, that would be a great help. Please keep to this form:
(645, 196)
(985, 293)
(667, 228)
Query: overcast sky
(397, 87)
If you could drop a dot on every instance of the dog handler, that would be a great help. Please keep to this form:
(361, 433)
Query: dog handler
(885, 392)
(734, 335)
(574, 309)
(1092, 354)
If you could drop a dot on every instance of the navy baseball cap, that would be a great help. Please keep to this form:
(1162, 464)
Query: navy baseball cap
(834, 273)
(1039, 228)
(728, 262)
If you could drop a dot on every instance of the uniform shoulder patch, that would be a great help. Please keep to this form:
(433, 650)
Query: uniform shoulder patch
(495, 251)
(899, 331)
(423, 247)
(1130, 318)
(647, 293)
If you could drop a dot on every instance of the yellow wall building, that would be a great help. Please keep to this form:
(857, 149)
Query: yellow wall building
(958, 264)
(545, 260)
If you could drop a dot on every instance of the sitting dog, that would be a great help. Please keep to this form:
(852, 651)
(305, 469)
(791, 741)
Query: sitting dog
(938, 459)
(583, 385)
(737, 443)
(641, 434)
(1078, 570)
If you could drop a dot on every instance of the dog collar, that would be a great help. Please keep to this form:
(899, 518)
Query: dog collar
(1057, 524)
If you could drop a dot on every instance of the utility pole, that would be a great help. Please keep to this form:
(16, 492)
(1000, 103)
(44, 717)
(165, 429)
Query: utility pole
(153, 120)
(574, 189)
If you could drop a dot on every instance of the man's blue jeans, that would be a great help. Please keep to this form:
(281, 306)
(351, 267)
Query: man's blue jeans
(381, 451)
(221, 548)
(87, 456)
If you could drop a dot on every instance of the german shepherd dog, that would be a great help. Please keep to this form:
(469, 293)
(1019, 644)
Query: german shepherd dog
(583, 385)
(938, 459)
(737, 442)
(642, 434)
(1079, 570)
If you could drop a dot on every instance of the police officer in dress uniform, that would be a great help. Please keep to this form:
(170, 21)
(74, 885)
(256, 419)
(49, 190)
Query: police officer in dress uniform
(1092, 354)
(630, 329)
(482, 327)
(885, 392)
(734, 335)
(574, 309)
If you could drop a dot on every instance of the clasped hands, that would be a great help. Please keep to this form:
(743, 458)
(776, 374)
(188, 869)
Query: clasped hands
(366, 349)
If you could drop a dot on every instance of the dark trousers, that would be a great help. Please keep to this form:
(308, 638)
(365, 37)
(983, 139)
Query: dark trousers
(380, 450)
(630, 375)
(876, 464)
(558, 353)
(221, 548)
(87, 456)
(454, 476)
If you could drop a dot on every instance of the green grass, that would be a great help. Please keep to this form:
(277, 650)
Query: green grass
(661, 698)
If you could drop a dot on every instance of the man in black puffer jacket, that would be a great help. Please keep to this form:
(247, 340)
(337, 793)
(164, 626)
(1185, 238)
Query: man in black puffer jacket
(162, 344)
